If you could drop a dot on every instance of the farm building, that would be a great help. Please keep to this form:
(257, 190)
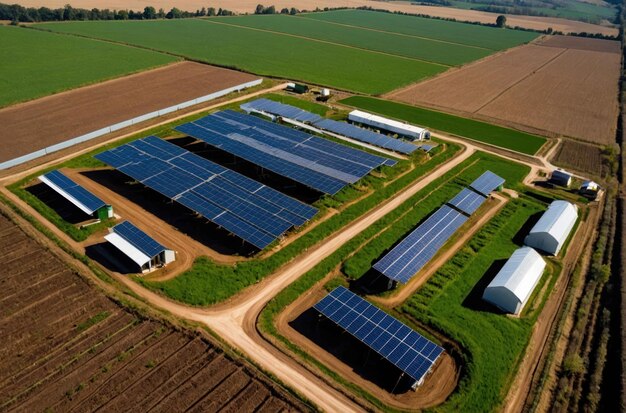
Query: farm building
(512, 286)
(589, 189)
(551, 231)
(139, 246)
(561, 177)
(77, 195)
(378, 122)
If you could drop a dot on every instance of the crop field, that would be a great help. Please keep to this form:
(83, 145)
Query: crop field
(66, 347)
(44, 63)
(559, 87)
(580, 156)
(299, 48)
(472, 129)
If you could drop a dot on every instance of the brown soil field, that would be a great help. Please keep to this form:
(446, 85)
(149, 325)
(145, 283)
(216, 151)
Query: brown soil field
(248, 6)
(581, 43)
(43, 122)
(67, 347)
(569, 91)
(580, 157)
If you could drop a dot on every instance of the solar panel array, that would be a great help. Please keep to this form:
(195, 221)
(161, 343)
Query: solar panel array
(487, 182)
(252, 211)
(139, 239)
(315, 162)
(403, 347)
(410, 255)
(280, 109)
(365, 135)
(467, 201)
(89, 200)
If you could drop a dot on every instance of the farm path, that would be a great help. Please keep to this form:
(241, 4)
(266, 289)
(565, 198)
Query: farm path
(235, 321)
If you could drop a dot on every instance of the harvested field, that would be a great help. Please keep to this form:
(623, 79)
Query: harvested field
(580, 157)
(569, 90)
(67, 347)
(47, 121)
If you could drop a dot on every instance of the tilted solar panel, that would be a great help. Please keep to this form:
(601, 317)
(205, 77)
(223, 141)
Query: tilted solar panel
(410, 255)
(88, 200)
(487, 182)
(246, 208)
(139, 239)
(395, 341)
(280, 109)
(467, 201)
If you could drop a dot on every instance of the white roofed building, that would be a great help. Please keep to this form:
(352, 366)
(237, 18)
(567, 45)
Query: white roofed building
(513, 285)
(379, 122)
(551, 231)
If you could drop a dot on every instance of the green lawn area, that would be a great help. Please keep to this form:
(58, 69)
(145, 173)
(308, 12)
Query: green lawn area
(396, 44)
(37, 63)
(472, 129)
(456, 32)
(263, 53)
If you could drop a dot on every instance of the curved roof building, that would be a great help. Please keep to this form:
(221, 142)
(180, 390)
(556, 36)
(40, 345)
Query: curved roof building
(551, 231)
(512, 286)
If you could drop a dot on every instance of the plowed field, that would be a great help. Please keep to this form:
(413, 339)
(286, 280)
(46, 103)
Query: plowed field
(66, 347)
(561, 86)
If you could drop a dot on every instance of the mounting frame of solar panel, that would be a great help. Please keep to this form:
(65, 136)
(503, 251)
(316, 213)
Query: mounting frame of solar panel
(402, 346)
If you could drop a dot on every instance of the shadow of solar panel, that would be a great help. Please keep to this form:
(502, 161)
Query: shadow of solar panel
(89, 200)
(487, 182)
(414, 251)
(139, 239)
(467, 201)
(393, 340)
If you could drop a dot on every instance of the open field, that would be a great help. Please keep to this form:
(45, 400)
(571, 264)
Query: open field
(68, 347)
(54, 119)
(580, 157)
(558, 87)
(288, 57)
(472, 129)
(45, 63)
(248, 6)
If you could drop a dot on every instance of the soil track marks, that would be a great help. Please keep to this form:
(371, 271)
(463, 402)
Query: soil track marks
(557, 86)
(67, 347)
(43, 122)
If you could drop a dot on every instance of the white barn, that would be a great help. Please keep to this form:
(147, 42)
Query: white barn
(551, 231)
(513, 285)
(378, 122)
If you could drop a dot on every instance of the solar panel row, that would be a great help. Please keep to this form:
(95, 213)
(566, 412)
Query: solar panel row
(487, 182)
(315, 162)
(403, 347)
(280, 109)
(467, 201)
(139, 239)
(86, 198)
(248, 209)
(410, 255)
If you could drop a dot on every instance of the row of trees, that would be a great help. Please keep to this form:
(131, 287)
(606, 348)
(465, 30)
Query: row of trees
(17, 13)
(261, 9)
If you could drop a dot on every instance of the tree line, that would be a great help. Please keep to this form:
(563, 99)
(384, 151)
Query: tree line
(21, 14)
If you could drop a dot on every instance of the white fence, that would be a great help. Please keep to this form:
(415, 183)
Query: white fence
(108, 129)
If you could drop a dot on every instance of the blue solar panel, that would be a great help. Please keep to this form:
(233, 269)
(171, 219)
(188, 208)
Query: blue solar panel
(80, 194)
(410, 255)
(487, 182)
(467, 201)
(393, 340)
(246, 208)
(280, 109)
(426, 147)
(139, 239)
(364, 135)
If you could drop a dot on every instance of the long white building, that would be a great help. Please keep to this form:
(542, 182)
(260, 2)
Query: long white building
(513, 285)
(378, 122)
(551, 231)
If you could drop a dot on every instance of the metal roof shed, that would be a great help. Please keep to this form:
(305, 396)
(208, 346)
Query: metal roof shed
(561, 177)
(512, 286)
(551, 231)
(76, 194)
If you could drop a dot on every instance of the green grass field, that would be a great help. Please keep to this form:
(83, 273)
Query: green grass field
(36, 63)
(401, 45)
(472, 129)
(472, 35)
(263, 53)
